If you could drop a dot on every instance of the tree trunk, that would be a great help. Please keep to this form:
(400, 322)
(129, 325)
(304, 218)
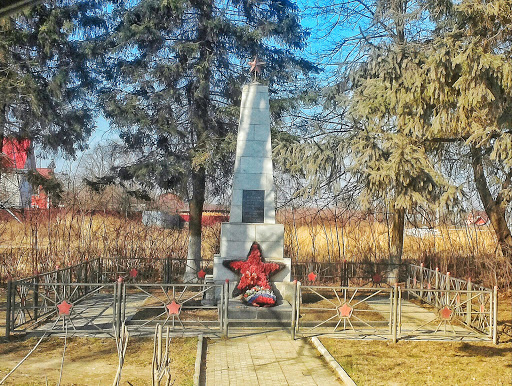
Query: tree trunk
(397, 244)
(494, 208)
(199, 119)
(196, 214)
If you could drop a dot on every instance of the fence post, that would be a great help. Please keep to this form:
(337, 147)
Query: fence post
(167, 270)
(447, 287)
(8, 311)
(100, 268)
(225, 288)
(36, 297)
(86, 276)
(395, 311)
(469, 306)
(421, 280)
(294, 308)
(119, 304)
(495, 316)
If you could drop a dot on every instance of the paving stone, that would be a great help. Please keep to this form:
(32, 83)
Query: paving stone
(272, 359)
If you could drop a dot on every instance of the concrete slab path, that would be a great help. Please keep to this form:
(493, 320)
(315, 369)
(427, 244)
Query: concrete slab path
(266, 359)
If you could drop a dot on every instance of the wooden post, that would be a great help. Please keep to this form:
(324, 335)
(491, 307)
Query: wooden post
(159, 346)
(36, 297)
(294, 308)
(495, 316)
(8, 310)
(395, 312)
(469, 306)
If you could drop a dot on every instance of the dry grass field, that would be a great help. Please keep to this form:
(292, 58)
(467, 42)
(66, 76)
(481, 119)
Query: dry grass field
(63, 237)
(92, 361)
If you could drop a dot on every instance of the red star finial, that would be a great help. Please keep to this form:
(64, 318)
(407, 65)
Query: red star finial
(312, 276)
(133, 273)
(64, 308)
(173, 308)
(256, 66)
(345, 311)
(201, 274)
(446, 313)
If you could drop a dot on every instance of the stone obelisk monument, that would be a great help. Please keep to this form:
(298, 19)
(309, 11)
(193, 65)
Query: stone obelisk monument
(253, 212)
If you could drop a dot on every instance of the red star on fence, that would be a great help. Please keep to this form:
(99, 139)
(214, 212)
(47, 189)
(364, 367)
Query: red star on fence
(201, 274)
(173, 308)
(133, 273)
(345, 311)
(312, 276)
(64, 308)
(446, 313)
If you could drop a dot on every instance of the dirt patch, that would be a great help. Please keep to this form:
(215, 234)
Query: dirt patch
(92, 361)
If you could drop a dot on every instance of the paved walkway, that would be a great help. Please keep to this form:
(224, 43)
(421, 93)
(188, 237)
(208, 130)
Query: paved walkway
(266, 359)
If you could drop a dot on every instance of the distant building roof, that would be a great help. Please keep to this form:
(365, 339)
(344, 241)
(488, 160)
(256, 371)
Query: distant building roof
(15, 153)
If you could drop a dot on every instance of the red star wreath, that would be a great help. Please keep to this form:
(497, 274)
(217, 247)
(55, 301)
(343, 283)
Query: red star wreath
(254, 281)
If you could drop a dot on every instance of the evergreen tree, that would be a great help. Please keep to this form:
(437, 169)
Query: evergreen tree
(363, 140)
(179, 66)
(45, 80)
(462, 96)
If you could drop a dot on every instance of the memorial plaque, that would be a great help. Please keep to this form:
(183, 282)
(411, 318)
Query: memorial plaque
(253, 205)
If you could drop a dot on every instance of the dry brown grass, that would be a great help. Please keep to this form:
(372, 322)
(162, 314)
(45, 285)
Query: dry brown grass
(60, 237)
(430, 363)
(93, 361)
(64, 237)
(465, 252)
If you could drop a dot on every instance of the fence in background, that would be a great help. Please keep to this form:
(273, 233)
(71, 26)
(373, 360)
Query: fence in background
(348, 273)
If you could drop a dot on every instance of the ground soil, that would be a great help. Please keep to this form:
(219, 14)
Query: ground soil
(430, 363)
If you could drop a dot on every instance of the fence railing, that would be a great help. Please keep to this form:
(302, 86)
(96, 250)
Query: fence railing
(448, 306)
(382, 313)
(59, 307)
(184, 308)
(348, 273)
(473, 305)
(345, 311)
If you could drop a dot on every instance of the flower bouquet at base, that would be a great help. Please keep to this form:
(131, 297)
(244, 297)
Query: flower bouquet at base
(259, 297)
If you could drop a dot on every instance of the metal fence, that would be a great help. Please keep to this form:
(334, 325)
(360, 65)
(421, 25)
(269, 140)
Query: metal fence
(82, 298)
(347, 273)
(184, 308)
(457, 301)
(382, 313)
(61, 307)
(345, 311)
